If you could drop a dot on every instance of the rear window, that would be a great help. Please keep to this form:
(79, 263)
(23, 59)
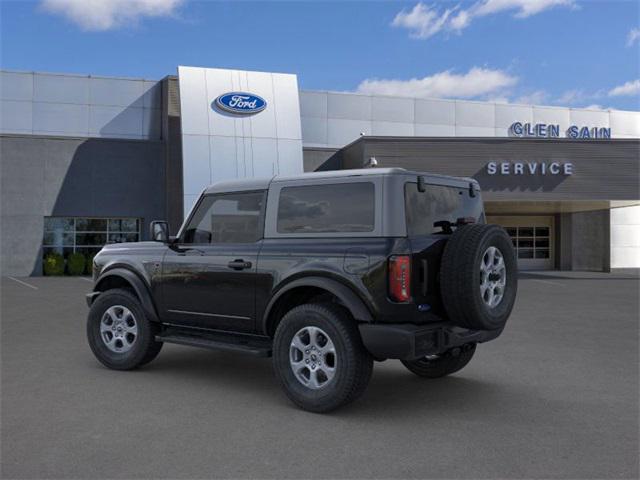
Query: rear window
(331, 208)
(438, 203)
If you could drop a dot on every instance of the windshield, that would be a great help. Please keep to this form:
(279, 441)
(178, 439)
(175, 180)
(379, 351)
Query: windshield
(438, 203)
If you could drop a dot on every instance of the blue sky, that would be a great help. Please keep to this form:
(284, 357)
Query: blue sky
(558, 52)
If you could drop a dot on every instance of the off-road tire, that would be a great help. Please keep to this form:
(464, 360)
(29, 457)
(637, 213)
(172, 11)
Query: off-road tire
(144, 349)
(446, 364)
(460, 277)
(353, 363)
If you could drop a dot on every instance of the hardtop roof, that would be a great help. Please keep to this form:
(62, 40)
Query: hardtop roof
(264, 182)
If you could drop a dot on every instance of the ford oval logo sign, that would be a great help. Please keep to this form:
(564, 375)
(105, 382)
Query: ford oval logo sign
(240, 103)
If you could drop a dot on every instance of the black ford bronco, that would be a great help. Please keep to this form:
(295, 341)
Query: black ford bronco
(326, 272)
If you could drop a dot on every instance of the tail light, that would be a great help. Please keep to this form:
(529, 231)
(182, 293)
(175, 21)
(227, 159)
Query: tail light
(400, 278)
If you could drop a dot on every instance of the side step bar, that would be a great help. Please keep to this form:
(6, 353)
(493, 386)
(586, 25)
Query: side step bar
(255, 345)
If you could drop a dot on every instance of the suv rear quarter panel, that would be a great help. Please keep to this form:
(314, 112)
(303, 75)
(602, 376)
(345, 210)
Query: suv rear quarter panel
(358, 260)
(358, 263)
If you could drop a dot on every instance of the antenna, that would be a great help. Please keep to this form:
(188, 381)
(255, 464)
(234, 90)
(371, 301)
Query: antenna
(371, 163)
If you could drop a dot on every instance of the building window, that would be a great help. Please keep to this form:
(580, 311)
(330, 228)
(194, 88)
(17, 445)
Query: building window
(65, 235)
(530, 242)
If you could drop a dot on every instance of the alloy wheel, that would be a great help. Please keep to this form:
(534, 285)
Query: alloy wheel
(312, 356)
(118, 329)
(493, 277)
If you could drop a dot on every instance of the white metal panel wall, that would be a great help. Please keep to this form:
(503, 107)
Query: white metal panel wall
(625, 237)
(334, 119)
(79, 106)
(221, 146)
(625, 124)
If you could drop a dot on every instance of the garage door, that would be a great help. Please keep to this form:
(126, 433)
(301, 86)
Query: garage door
(532, 238)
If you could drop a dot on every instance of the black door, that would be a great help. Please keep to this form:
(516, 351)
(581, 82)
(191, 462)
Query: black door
(208, 276)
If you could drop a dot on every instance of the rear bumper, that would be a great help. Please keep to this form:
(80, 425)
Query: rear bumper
(409, 342)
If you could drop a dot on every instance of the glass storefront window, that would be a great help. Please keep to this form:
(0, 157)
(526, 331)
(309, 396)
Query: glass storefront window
(91, 224)
(530, 242)
(525, 253)
(124, 225)
(525, 243)
(542, 242)
(91, 238)
(58, 223)
(542, 253)
(65, 235)
(58, 237)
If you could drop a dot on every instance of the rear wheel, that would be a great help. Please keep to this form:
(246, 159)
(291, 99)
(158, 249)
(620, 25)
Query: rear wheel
(319, 358)
(119, 333)
(436, 366)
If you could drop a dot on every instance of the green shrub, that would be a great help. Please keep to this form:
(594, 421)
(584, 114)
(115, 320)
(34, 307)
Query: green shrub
(53, 264)
(75, 263)
(89, 270)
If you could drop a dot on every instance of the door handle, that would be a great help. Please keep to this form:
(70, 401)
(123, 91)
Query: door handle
(239, 264)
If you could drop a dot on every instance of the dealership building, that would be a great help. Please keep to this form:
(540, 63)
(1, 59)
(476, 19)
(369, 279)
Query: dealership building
(88, 160)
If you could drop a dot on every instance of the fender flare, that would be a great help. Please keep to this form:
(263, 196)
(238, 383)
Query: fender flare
(138, 285)
(346, 295)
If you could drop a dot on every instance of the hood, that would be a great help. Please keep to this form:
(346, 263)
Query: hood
(136, 246)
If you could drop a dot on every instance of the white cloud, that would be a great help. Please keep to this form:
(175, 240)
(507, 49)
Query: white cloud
(631, 87)
(497, 86)
(99, 15)
(475, 83)
(421, 21)
(424, 22)
(571, 97)
(538, 97)
(633, 36)
(524, 8)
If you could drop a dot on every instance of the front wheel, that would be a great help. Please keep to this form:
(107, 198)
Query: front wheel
(119, 333)
(436, 366)
(319, 358)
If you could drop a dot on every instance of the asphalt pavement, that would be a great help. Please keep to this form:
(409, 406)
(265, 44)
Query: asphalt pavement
(556, 396)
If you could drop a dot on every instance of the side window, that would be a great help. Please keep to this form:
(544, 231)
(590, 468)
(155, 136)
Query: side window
(340, 207)
(227, 218)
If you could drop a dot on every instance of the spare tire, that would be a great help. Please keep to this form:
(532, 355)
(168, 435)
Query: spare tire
(479, 277)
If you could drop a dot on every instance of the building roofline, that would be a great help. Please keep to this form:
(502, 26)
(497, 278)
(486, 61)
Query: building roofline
(381, 138)
(78, 75)
(237, 70)
(333, 92)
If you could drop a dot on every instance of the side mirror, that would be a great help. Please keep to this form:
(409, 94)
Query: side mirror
(159, 231)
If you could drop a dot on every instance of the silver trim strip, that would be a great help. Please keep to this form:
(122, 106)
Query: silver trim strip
(210, 314)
